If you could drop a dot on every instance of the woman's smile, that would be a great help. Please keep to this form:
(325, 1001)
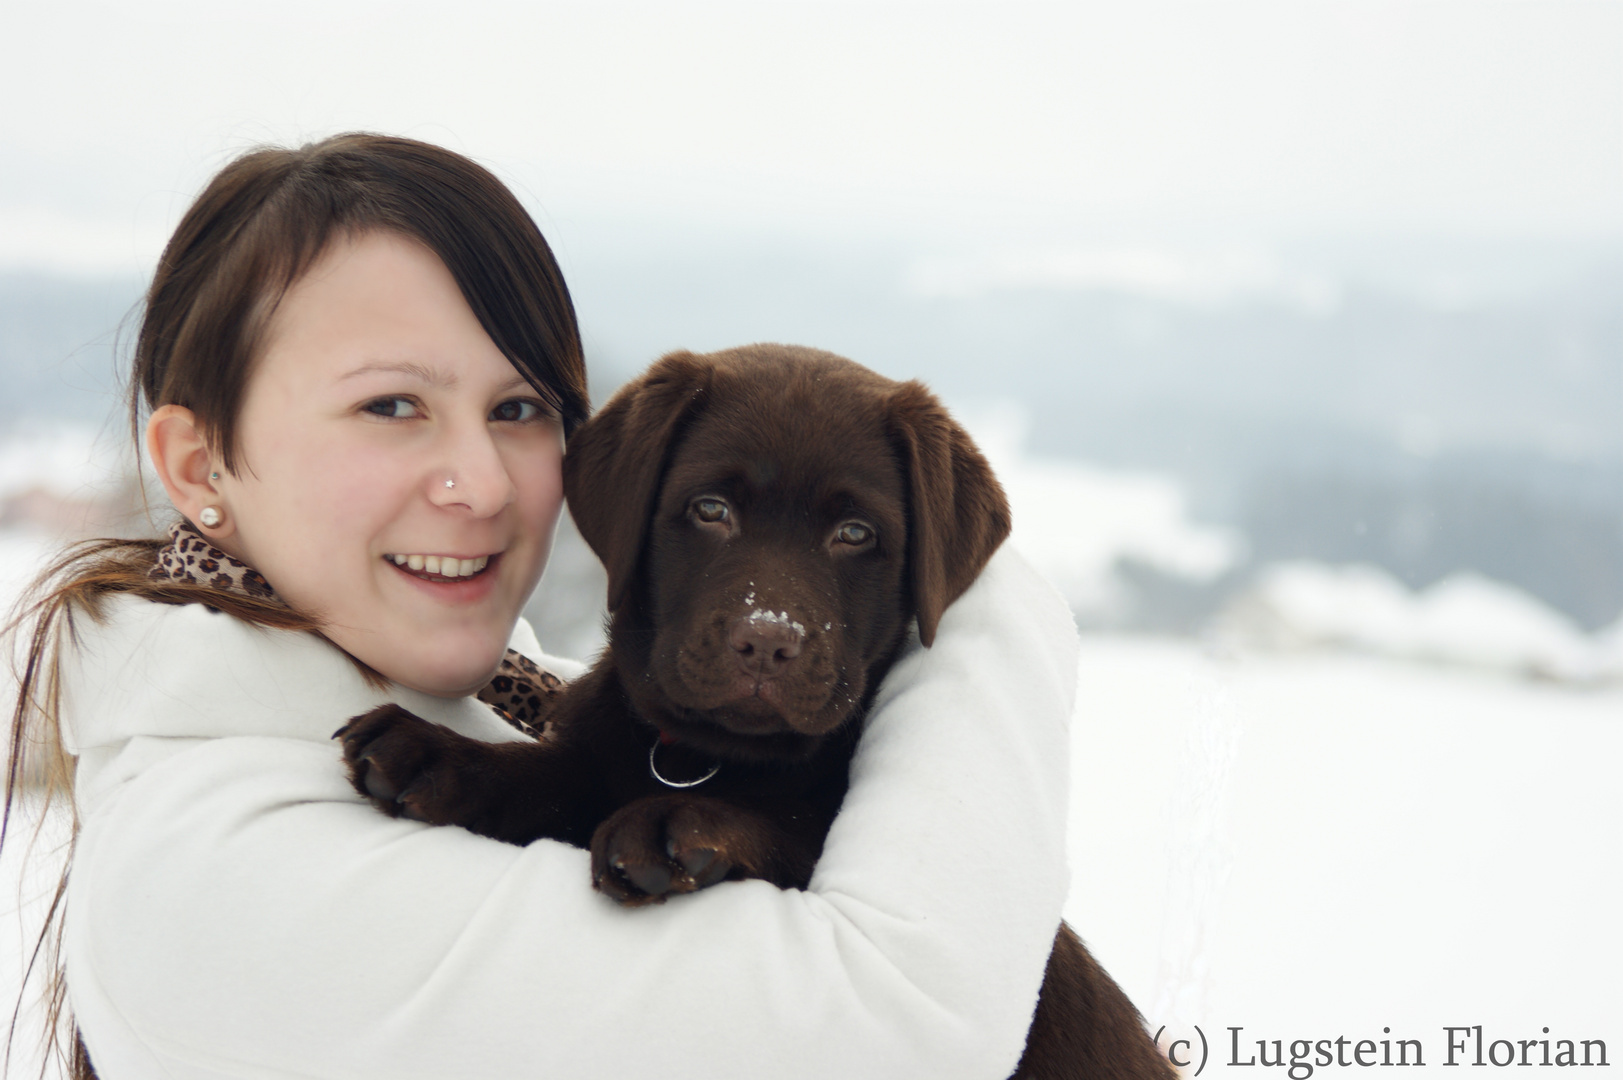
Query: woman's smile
(442, 578)
(440, 566)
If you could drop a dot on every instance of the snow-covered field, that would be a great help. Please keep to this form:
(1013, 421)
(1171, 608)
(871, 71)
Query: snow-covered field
(1316, 846)
(1353, 809)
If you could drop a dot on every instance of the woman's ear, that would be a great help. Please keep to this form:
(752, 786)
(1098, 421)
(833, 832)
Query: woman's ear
(185, 465)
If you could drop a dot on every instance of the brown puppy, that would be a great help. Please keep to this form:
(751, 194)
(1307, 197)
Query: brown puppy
(771, 519)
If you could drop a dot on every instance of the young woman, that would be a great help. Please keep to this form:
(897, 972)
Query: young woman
(361, 363)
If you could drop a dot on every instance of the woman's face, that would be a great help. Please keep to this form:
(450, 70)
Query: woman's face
(383, 435)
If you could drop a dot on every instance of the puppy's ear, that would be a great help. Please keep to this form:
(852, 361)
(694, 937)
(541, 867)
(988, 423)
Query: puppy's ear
(957, 512)
(616, 460)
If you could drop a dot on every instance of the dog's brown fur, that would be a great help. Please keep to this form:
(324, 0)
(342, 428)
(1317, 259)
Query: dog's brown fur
(771, 518)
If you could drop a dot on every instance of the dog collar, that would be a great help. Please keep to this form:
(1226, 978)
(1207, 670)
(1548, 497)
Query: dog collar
(653, 769)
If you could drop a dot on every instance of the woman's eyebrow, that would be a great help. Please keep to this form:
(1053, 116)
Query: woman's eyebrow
(424, 373)
(420, 372)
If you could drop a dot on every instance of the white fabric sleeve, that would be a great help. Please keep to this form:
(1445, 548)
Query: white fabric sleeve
(235, 910)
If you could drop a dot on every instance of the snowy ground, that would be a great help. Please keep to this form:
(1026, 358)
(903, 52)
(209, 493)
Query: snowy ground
(1316, 846)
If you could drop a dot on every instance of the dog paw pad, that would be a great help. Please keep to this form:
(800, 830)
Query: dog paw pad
(646, 877)
(695, 860)
(377, 785)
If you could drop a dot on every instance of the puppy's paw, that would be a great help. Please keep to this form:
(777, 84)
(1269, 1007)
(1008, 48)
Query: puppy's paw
(408, 767)
(675, 844)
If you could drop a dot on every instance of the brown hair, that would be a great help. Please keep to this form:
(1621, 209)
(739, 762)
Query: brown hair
(257, 227)
(268, 215)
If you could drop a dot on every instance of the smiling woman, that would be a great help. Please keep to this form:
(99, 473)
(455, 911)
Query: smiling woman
(357, 368)
(334, 337)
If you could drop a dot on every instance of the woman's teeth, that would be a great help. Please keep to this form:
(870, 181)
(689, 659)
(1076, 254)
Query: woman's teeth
(441, 565)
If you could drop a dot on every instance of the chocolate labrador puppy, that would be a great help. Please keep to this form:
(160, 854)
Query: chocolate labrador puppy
(772, 519)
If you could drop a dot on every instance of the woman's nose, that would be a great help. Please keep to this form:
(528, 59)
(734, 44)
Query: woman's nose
(471, 474)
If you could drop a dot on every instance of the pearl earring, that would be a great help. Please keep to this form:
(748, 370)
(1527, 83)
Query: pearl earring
(211, 517)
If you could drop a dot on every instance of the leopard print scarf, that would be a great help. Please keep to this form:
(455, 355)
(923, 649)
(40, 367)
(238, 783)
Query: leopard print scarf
(190, 558)
(521, 692)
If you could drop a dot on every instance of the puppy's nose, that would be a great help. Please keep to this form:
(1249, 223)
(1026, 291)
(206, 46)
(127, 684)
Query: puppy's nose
(765, 641)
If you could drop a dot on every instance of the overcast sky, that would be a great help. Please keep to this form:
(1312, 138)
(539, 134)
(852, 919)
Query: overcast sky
(1479, 118)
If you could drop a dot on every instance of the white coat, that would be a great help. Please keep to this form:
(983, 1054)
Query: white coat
(236, 910)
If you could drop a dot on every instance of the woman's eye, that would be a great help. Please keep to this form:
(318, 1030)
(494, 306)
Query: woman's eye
(854, 532)
(395, 408)
(711, 510)
(515, 412)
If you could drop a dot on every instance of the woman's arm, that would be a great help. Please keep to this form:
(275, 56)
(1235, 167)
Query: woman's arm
(236, 910)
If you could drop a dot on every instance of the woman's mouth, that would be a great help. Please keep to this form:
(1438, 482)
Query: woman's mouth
(440, 567)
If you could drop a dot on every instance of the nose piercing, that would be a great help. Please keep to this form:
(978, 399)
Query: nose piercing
(450, 483)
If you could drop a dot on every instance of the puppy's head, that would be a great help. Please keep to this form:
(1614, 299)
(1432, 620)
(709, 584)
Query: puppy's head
(771, 518)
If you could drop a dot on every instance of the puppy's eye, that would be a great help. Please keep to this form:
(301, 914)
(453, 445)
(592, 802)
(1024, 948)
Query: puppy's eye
(854, 533)
(711, 510)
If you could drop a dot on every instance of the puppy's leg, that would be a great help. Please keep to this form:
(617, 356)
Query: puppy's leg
(1085, 1027)
(680, 843)
(517, 792)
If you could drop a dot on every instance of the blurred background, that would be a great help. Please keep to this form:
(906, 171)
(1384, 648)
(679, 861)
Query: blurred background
(1295, 331)
(1239, 293)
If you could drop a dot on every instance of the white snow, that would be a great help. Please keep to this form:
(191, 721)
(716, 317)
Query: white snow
(1464, 619)
(1077, 522)
(776, 618)
(74, 461)
(1353, 844)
